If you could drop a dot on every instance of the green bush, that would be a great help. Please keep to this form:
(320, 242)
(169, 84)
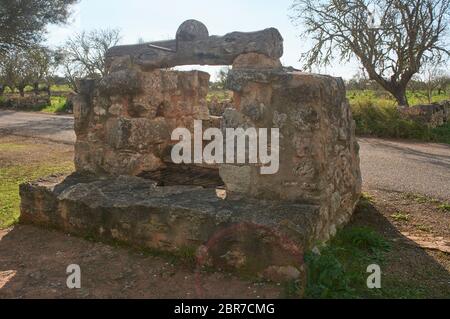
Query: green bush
(58, 105)
(441, 134)
(385, 121)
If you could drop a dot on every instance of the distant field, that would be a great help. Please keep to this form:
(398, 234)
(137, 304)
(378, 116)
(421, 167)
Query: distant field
(385, 99)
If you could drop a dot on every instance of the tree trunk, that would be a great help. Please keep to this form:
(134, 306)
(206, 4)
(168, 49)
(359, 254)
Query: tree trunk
(400, 96)
(21, 91)
(2, 89)
(36, 88)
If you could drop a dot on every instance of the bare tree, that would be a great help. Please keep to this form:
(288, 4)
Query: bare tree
(391, 50)
(84, 54)
(430, 77)
(443, 83)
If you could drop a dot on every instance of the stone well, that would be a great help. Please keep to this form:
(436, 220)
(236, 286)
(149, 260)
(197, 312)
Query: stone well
(231, 216)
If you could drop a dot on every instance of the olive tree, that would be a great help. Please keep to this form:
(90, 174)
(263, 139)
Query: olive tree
(23, 22)
(43, 64)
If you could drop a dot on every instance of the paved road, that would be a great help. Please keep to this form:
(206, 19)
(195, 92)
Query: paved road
(49, 127)
(419, 168)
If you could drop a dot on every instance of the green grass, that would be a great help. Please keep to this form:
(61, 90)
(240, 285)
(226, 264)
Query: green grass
(445, 207)
(58, 105)
(340, 270)
(441, 134)
(10, 179)
(4, 147)
(376, 115)
(220, 95)
(384, 120)
(400, 216)
(384, 99)
(53, 88)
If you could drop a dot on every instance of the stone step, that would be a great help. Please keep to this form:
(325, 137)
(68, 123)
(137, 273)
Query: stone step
(250, 236)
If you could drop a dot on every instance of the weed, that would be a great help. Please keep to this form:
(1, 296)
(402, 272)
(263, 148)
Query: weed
(375, 116)
(339, 271)
(445, 207)
(400, 216)
(292, 289)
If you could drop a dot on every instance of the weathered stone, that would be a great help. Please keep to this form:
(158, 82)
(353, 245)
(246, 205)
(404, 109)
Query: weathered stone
(311, 112)
(192, 30)
(27, 102)
(193, 47)
(431, 115)
(255, 61)
(282, 273)
(245, 235)
(124, 129)
(124, 82)
(217, 108)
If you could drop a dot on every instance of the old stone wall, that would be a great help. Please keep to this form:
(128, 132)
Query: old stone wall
(319, 154)
(432, 115)
(27, 102)
(124, 122)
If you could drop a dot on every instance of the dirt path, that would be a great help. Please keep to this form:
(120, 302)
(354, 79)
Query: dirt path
(33, 264)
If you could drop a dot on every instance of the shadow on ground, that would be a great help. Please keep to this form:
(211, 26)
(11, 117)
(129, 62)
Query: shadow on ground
(408, 271)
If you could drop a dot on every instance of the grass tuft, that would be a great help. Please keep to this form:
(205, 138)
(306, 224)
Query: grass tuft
(339, 271)
(400, 216)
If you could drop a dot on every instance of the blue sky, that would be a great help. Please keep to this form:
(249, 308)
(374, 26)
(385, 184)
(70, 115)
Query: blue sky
(154, 20)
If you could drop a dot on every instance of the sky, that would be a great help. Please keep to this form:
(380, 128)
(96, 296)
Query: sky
(154, 20)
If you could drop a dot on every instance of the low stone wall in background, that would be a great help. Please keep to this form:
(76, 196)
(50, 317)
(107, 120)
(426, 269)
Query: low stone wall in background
(432, 115)
(27, 102)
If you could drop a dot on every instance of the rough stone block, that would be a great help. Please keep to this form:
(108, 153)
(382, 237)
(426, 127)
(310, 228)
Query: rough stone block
(256, 237)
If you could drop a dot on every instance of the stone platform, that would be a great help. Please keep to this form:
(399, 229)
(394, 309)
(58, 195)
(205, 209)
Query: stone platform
(256, 237)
